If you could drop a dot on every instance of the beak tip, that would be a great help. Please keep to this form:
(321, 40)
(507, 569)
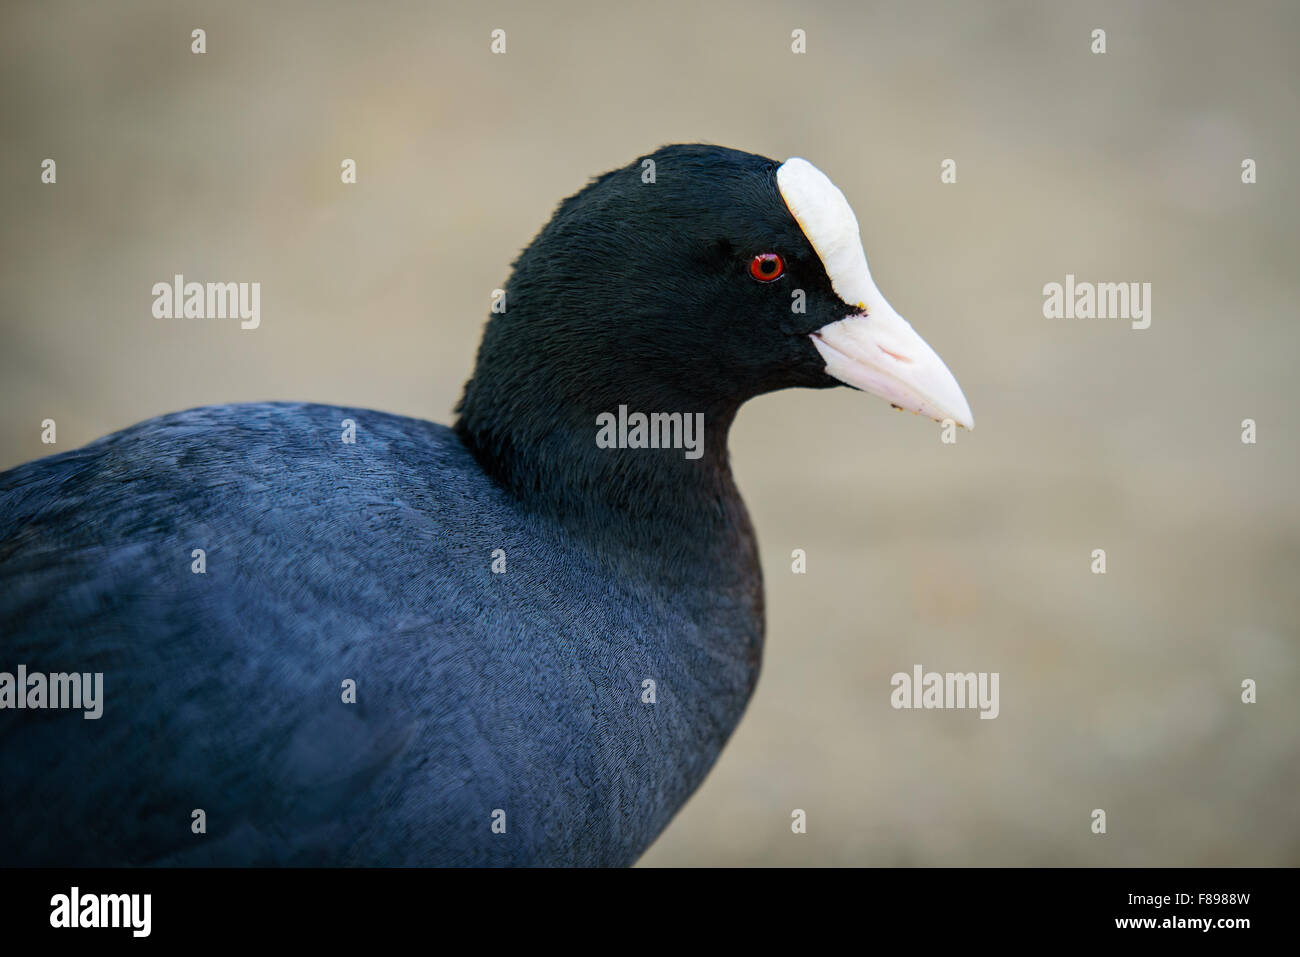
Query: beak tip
(964, 418)
(964, 421)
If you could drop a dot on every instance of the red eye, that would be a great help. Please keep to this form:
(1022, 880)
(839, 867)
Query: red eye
(766, 267)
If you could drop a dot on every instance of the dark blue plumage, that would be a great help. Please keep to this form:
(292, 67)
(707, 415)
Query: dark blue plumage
(479, 690)
(476, 691)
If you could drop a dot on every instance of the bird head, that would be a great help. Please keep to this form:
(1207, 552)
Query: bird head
(702, 276)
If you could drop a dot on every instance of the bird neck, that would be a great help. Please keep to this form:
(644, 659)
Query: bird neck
(645, 470)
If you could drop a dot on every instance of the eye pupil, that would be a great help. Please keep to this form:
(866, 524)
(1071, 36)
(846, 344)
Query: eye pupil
(766, 266)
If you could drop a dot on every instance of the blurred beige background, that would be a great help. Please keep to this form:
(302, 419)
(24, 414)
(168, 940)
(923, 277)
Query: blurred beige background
(1119, 692)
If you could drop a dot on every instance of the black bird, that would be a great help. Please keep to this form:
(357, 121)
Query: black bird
(520, 640)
